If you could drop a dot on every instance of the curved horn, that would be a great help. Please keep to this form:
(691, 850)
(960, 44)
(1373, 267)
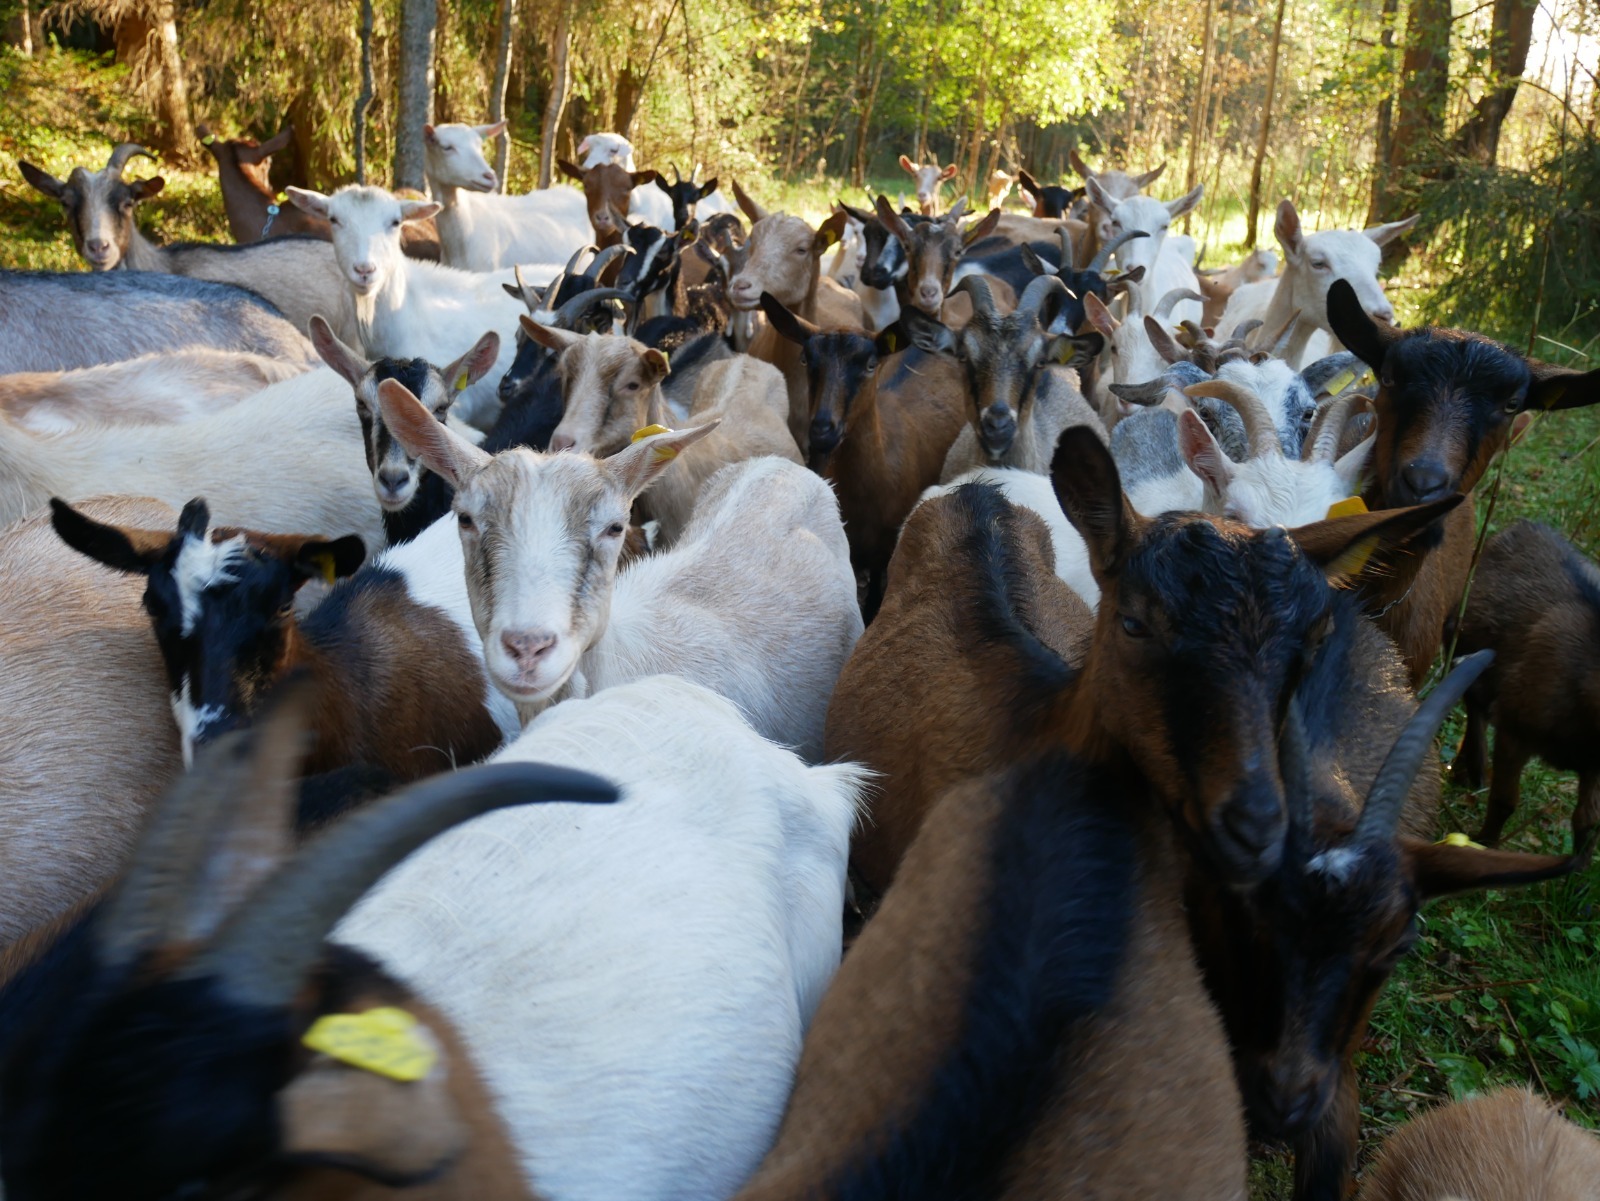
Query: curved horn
(1103, 255)
(1166, 346)
(1164, 305)
(1386, 799)
(1258, 424)
(1069, 257)
(572, 264)
(677, 176)
(1327, 428)
(1151, 392)
(603, 259)
(1275, 343)
(262, 954)
(977, 287)
(531, 299)
(1242, 331)
(1033, 296)
(122, 153)
(547, 298)
(568, 314)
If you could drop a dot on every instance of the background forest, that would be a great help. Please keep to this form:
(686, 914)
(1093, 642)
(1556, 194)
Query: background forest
(1479, 113)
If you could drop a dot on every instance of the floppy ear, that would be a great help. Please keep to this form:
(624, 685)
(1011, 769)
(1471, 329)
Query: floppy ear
(122, 549)
(335, 353)
(549, 336)
(909, 166)
(1441, 868)
(639, 465)
(1201, 452)
(981, 229)
(1561, 388)
(278, 141)
(1357, 328)
(308, 201)
(1099, 316)
(893, 221)
(442, 451)
(474, 365)
(569, 170)
(1075, 350)
(927, 333)
(41, 180)
(787, 324)
(1089, 490)
(1342, 546)
(1287, 227)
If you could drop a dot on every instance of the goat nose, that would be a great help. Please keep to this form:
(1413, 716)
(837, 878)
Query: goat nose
(97, 246)
(1426, 480)
(393, 482)
(824, 434)
(1249, 831)
(560, 442)
(999, 429)
(527, 647)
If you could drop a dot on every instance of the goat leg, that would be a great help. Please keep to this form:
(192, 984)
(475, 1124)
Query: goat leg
(1505, 782)
(1473, 755)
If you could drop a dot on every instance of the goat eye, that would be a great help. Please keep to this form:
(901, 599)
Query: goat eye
(334, 221)
(1386, 379)
(464, 520)
(614, 530)
(395, 224)
(1134, 628)
(631, 386)
(1513, 406)
(1319, 264)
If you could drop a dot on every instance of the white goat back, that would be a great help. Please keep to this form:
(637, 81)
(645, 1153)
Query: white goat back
(633, 980)
(1166, 261)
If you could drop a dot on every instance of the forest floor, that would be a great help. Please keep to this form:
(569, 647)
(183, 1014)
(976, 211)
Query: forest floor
(1504, 986)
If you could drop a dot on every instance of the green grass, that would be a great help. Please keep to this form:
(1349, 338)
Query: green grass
(1504, 986)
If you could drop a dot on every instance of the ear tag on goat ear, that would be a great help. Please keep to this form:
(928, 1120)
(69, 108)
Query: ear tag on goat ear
(208, 139)
(322, 560)
(1459, 839)
(462, 381)
(648, 431)
(385, 1041)
(1339, 383)
(1348, 507)
(1353, 559)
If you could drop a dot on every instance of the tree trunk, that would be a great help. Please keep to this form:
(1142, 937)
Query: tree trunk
(1202, 104)
(20, 33)
(630, 88)
(789, 159)
(364, 98)
(1384, 140)
(1264, 133)
(560, 85)
(1510, 35)
(497, 89)
(147, 42)
(1418, 132)
(415, 85)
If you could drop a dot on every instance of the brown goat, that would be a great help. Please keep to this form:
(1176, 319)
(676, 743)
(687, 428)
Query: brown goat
(608, 192)
(933, 250)
(1506, 1146)
(1535, 602)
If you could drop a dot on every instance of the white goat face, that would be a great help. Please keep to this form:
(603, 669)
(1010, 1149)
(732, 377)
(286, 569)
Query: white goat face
(1313, 261)
(454, 156)
(600, 148)
(365, 223)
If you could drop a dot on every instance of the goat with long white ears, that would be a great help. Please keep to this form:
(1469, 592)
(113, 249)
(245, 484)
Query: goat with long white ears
(409, 309)
(1165, 267)
(1311, 262)
(756, 600)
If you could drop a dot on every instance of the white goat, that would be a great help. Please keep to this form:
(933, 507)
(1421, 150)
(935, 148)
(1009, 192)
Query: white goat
(1130, 356)
(1269, 488)
(166, 388)
(1155, 478)
(757, 599)
(1311, 262)
(409, 309)
(285, 460)
(1033, 490)
(483, 231)
(1165, 266)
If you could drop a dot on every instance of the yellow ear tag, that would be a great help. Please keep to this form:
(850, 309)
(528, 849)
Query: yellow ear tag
(1339, 383)
(1459, 840)
(649, 431)
(1353, 559)
(1348, 507)
(208, 139)
(462, 381)
(891, 343)
(323, 562)
(384, 1041)
(280, 198)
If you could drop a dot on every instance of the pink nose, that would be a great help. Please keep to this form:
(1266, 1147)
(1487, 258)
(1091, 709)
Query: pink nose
(365, 270)
(930, 297)
(560, 442)
(98, 248)
(526, 648)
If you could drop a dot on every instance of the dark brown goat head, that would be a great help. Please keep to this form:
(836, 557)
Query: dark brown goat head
(933, 248)
(99, 204)
(608, 191)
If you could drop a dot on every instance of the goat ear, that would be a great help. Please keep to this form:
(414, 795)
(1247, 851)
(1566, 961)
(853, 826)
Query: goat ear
(640, 178)
(909, 166)
(308, 201)
(490, 131)
(143, 189)
(1201, 452)
(41, 180)
(549, 336)
(1357, 328)
(981, 229)
(1099, 316)
(569, 170)
(1076, 350)
(829, 232)
(131, 550)
(474, 365)
(1560, 388)
(1342, 546)
(927, 333)
(1384, 234)
(662, 183)
(1089, 490)
(396, 1132)
(1098, 195)
(419, 210)
(785, 322)
(335, 353)
(948, 173)
(442, 451)
(708, 187)
(327, 559)
(1184, 203)
(278, 141)
(1149, 177)
(1082, 168)
(1033, 262)
(749, 207)
(655, 365)
(1287, 227)
(638, 466)
(893, 221)
(1442, 868)
(429, 134)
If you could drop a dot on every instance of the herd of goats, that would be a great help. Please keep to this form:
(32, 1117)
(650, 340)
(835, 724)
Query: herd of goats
(611, 694)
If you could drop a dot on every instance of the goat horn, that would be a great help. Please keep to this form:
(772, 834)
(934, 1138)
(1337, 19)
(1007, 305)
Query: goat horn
(262, 954)
(1322, 443)
(531, 299)
(572, 263)
(1242, 331)
(1276, 343)
(1068, 254)
(1103, 255)
(1258, 424)
(1386, 799)
(603, 259)
(1163, 341)
(677, 176)
(547, 298)
(1033, 296)
(1164, 305)
(122, 153)
(569, 313)
(1151, 392)
(977, 287)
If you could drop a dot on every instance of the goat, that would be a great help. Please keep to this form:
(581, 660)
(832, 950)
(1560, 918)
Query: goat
(1296, 965)
(1114, 185)
(933, 251)
(881, 421)
(996, 189)
(1447, 402)
(480, 230)
(125, 314)
(929, 176)
(1534, 601)
(652, 273)
(1130, 352)
(168, 388)
(612, 388)
(86, 737)
(884, 267)
(685, 195)
(1082, 281)
(1165, 269)
(541, 535)
(296, 439)
(410, 498)
(1219, 284)
(783, 253)
(409, 309)
(1508, 1145)
(608, 193)
(297, 275)
(1269, 488)
(1311, 264)
(1155, 475)
(1048, 201)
